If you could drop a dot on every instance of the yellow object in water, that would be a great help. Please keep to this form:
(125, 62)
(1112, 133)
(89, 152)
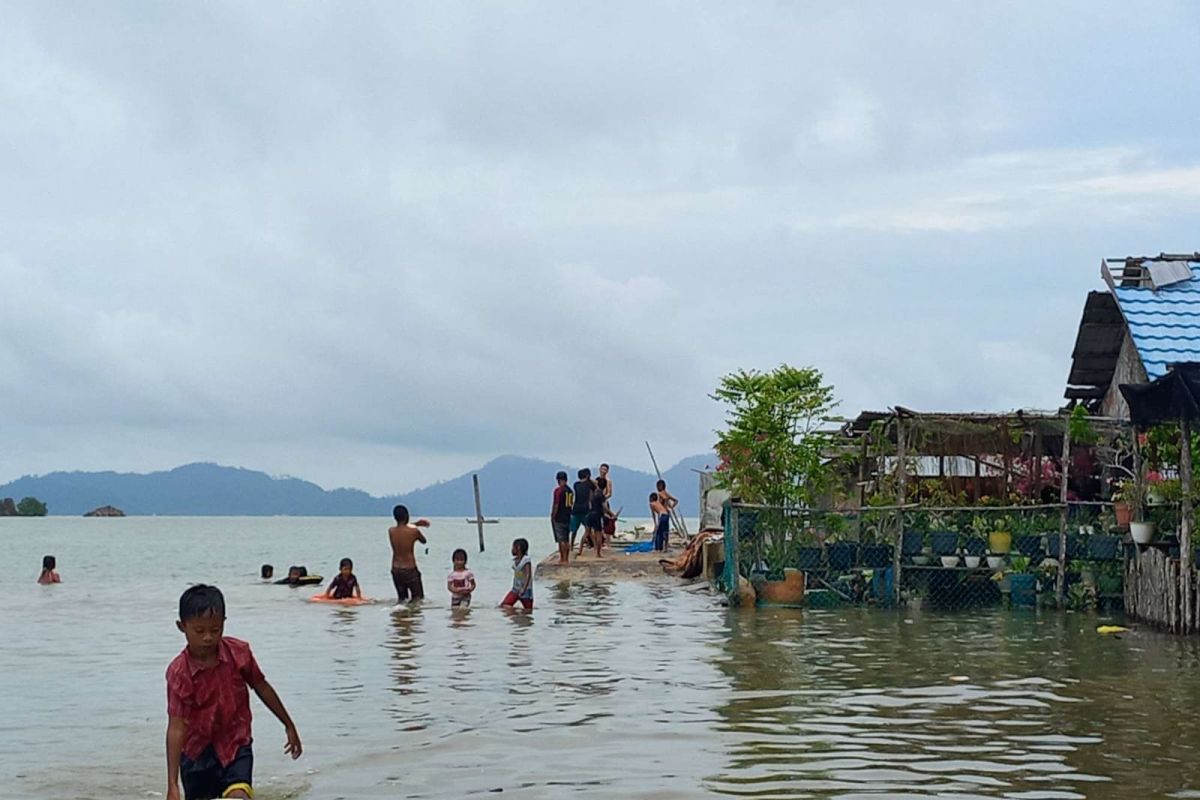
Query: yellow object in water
(1111, 629)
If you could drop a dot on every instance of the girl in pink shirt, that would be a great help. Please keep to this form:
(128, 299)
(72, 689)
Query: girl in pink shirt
(460, 581)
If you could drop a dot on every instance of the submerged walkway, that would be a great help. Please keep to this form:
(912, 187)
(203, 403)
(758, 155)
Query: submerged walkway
(615, 565)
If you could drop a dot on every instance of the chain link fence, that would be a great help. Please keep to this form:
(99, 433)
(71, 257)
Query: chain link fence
(949, 558)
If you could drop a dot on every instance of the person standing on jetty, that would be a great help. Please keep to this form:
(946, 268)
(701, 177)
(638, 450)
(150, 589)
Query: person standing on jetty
(582, 503)
(669, 502)
(404, 537)
(608, 486)
(598, 512)
(560, 517)
(662, 521)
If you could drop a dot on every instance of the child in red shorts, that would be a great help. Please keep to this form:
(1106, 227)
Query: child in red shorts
(522, 587)
(208, 707)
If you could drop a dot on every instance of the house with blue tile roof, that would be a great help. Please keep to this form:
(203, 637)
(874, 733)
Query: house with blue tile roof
(1146, 320)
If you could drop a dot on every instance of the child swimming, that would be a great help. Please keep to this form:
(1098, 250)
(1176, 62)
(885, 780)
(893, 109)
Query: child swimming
(522, 586)
(48, 574)
(460, 581)
(344, 584)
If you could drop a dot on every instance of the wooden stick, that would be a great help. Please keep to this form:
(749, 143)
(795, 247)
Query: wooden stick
(1061, 578)
(478, 511)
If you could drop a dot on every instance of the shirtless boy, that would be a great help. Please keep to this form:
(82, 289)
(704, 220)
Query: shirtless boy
(405, 575)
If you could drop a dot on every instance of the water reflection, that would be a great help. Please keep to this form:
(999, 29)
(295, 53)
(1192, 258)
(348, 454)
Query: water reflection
(843, 704)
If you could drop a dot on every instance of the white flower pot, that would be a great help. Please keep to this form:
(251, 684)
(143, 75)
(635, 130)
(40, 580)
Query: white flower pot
(949, 561)
(1142, 532)
(972, 562)
(995, 562)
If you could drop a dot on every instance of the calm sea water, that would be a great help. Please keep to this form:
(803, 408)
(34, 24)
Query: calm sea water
(605, 691)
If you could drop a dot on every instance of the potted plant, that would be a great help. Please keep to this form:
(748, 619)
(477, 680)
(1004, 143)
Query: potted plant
(1023, 582)
(999, 534)
(1128, 499)
(841, 554)
(1027, 536)
(810, 558)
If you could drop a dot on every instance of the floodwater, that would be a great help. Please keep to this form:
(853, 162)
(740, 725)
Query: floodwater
(604, 691)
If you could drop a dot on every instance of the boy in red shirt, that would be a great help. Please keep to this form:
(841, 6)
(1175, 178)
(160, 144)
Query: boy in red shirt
(208, 707)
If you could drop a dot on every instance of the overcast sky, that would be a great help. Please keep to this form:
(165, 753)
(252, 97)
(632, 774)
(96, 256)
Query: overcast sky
(375, 244)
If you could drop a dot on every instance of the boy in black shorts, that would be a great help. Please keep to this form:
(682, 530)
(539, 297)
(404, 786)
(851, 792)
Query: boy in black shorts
(208, 707)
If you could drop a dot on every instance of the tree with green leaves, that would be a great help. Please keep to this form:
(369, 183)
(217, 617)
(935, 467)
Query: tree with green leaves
(773, 450)
(31, 507)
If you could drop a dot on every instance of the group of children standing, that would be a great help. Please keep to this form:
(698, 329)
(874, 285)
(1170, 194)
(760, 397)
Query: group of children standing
(208, 702)
(586, 504)
(406, 576)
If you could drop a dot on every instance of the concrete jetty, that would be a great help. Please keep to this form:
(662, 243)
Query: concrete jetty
(615, 565)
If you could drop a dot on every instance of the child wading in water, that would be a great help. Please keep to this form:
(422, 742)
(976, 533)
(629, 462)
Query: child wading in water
(522, 586)
(208, 707)
(460, 581)
(403, 537)
(48, 574)
(344, 584)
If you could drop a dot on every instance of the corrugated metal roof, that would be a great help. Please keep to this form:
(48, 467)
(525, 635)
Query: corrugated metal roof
(1097, 346)
(1164, 323)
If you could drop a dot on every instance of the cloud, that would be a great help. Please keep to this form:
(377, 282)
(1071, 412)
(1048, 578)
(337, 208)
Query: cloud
(376, 244)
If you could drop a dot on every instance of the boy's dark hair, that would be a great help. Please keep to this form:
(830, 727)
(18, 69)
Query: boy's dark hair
(48, 562)
(661, 485)
(561, 476)
(303, 571)
(602, 482)
(400, 514)
(653, 496)
(522, 546)
(267, 571)
(345, 562)
(459, 553)
(201, 600)
(605, 466)
(584, 474)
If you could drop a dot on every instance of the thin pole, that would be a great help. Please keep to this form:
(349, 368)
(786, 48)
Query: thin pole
(901, 498)
(676, 519)
(1186, 524)
(478, 511)
(1061, 579)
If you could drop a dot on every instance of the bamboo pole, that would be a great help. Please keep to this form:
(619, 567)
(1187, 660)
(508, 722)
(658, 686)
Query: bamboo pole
(901, 499)
(1061, 579)
(1186, 524)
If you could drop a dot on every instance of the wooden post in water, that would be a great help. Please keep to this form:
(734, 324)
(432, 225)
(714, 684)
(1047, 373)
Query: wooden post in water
(1060, 581)
(478, 511)
(1185, 526)
(901, 494)
(479, 520)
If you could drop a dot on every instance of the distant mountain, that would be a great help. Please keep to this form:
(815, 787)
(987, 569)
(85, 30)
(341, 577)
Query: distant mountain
(510, 486)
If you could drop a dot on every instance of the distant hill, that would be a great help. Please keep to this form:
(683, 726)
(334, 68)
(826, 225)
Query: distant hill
(510, 486)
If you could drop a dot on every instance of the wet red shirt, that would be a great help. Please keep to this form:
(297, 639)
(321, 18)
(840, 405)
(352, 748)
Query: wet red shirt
(214, 701)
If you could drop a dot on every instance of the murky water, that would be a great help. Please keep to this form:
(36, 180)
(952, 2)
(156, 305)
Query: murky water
(604, 691)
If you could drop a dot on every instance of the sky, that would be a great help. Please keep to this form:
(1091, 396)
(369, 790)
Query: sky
(377, 244)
